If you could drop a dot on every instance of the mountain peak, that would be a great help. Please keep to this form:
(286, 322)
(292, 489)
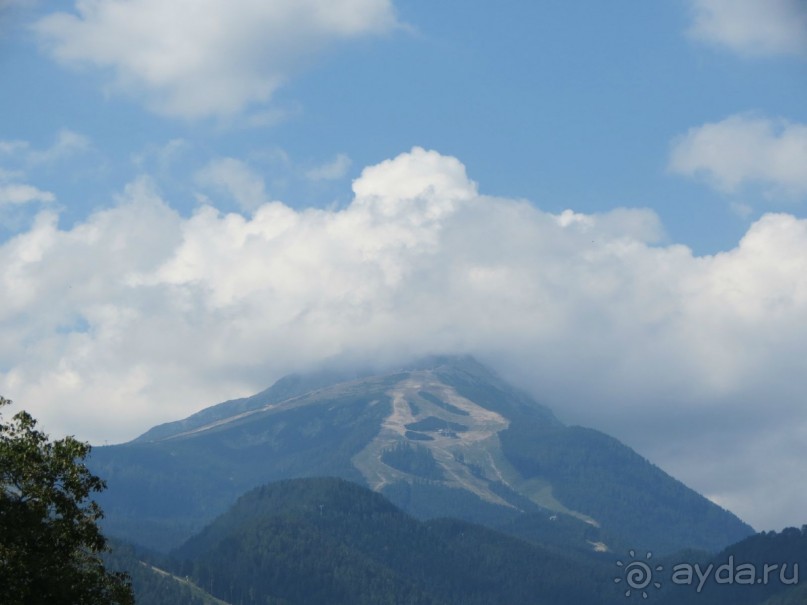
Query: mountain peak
(467, 363)
(299, 383)
(439, 436)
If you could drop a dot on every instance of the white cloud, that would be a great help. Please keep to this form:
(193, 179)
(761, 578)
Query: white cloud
(138, 316)
(12, 147)
(67, 143)
(752, 27)
(25, 159)
(10, 175)
(235, 178)
(201, 58)
(742, 209)
(12, 190)
(19, 193)
(330, 171)
(745, 149)
(163, 156)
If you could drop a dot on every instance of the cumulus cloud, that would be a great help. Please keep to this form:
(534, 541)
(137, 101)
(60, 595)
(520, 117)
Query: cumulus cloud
(330, 171)
(195, 59)
(745, 149)
(18, 193)
(25, 158)
(752, 27)
(138, 315)
(67, 143)
(236, 179)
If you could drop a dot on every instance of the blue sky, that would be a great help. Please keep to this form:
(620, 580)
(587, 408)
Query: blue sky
(605, 201)
(570, 105)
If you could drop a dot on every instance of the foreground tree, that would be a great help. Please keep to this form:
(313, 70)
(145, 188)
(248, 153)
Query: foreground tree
(49, 536)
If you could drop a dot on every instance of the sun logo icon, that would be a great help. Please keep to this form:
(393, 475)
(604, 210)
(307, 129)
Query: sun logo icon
(638, 574)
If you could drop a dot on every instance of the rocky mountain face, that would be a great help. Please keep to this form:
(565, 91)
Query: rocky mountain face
(440, 437)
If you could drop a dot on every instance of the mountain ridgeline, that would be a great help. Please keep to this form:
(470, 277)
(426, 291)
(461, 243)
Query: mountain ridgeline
(327, 540)
(440, 437)
(331, 541)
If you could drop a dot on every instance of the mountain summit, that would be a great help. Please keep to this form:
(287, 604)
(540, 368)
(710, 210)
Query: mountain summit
(440, 437)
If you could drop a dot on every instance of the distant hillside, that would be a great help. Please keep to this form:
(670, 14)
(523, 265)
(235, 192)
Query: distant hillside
(325, 540)
(316, 541)
(442, 436)
(151, 583)
(743, 579)
(794, 596)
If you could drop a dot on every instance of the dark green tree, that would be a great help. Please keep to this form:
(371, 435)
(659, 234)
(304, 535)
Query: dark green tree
(49, 537)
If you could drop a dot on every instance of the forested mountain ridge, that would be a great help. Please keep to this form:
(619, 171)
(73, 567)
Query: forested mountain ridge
(768, 568)
(326, 540)
(151, 582)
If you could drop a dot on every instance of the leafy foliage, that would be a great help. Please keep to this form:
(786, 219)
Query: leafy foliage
(49, 537)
